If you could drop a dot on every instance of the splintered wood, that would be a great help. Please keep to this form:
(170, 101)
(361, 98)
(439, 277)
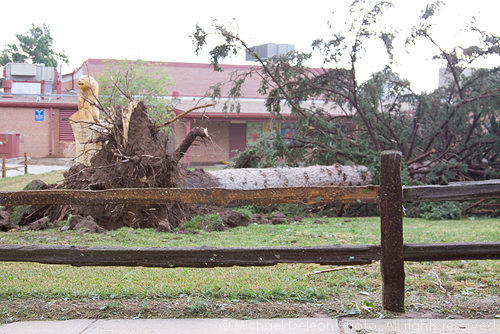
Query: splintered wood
(209, 196)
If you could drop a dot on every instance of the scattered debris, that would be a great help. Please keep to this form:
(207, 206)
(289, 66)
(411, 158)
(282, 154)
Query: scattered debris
(5, 223)
(40, 224)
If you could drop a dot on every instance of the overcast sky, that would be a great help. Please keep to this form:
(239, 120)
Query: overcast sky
(160, 30)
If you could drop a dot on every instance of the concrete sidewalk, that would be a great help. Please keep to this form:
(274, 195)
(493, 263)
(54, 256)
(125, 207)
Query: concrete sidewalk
(15, 166)
(268, 326)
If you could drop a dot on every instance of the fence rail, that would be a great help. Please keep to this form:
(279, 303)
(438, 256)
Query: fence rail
(459, 191)
(208, 257)
(200, 257)
(215, 196)
(456, 191)
(391, 252)
(5, 168)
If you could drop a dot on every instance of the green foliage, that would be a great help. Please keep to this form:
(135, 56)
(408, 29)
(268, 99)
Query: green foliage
(268, 151)
(34, 47)
(194, 223)
(435, 210)
(247, 210)
(441, 210)
(18, 213)
(447, 170)
(209, 223)
(68, 220)
(17, 182)
(198, 306)
(288, 209)
(212, 222)
(139, 80)
(456, 128)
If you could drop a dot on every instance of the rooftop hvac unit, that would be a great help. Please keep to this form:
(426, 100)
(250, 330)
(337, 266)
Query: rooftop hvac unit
(27, 78)
(269, 50)
(29, 72)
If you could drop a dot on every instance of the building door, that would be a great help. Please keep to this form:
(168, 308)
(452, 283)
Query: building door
(237, 138)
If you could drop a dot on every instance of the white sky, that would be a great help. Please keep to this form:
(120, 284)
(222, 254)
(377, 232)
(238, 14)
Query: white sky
(159, 30)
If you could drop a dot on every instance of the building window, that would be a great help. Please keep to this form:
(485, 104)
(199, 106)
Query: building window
(288, 131)
(255, 130)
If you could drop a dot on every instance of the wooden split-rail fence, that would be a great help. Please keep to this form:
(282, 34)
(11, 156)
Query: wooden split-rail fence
(392, 251)
(5, 168)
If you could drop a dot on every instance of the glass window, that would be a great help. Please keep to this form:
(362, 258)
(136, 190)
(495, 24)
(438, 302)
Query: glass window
(288, 130)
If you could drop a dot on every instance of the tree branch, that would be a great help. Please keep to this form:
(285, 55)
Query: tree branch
(184, 114)
(195, 133)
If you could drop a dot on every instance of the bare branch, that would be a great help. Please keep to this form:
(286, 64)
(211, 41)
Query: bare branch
(195, 133)
(184, 114)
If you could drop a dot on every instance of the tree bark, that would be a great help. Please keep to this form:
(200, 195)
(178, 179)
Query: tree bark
(261, 178)
(197, 132)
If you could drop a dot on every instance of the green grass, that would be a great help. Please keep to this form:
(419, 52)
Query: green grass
(18, 182)
(277, 283)
(307, 233)
(281, 282)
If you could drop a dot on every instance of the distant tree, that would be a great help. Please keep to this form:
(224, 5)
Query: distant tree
(450, 134)
(34, 47)
(139, 80)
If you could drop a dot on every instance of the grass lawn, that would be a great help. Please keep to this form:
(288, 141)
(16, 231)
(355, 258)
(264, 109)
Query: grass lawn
(18, 182)
(454, 288)
(432, 286)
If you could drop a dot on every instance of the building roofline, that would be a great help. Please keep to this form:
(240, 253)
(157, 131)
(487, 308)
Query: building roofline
(98, 61)
(233, 116)
(24, 104)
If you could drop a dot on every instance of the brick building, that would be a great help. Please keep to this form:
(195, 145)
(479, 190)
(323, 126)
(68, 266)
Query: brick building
(230, 131)
(33, 111)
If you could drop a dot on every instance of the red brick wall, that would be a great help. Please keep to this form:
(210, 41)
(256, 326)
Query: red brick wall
(34, 139)
(34, 134)
(209, 152)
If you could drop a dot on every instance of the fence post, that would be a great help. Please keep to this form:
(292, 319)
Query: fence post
(4, 168)
(25, 163)
(391, 232)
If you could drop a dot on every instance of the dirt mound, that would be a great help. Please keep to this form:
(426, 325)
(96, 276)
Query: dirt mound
(138, 160)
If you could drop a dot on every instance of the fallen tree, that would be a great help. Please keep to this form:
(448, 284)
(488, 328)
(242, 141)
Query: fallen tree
(132, 155)
(262, 178)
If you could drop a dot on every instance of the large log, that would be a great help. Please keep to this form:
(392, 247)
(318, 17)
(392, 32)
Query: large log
(262, 178)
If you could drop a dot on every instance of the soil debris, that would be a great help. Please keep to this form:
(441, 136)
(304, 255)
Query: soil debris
(132, 155)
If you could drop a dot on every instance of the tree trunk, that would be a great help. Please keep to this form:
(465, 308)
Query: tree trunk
(195, 133)
(261, 178)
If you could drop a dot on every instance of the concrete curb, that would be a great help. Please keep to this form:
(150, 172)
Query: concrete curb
(418, 326)
(269, 326)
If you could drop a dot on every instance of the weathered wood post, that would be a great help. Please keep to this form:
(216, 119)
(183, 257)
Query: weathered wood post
(391, 232)
(25, 163)
(4, 168)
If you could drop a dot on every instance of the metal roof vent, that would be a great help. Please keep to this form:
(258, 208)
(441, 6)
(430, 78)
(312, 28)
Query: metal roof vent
(269, 50)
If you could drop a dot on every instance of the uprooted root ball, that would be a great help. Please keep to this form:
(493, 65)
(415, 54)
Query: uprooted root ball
(139, 161)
